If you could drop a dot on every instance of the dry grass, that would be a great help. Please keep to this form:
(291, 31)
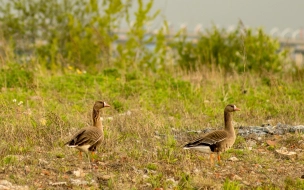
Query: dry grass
(142, 149)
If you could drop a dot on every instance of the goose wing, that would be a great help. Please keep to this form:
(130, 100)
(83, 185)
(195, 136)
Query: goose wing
(85, 136)
(208, 139)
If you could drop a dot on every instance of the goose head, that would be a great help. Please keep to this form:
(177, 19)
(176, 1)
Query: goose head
(231, 108)
(100, 104)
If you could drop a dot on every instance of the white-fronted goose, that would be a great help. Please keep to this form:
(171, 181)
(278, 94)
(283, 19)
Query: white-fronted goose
(219, 140)
(89, 138)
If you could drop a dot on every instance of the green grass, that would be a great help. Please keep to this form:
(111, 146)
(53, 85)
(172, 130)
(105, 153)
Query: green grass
(150, 116)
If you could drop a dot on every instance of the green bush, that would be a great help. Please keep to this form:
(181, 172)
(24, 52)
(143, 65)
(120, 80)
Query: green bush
(61, 33)
(242, 49)
(16, 75)
(82, 34)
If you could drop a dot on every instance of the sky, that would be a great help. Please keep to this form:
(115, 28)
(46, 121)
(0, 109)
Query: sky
(268, 14)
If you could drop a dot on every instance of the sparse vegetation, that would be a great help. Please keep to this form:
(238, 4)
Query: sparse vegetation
(156, 95)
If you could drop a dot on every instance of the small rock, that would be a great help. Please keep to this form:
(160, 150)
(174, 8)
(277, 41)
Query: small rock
(44, 162)
(78, 173)
(79, 182)
(233, 159)
(298, 150)
(172, 180)
(106, 177)
(145, 176)
(284, 153)
(58, 183)
(196, 171)
(4, 184)
(246, 182)
(298, 128)
(243, 132)
(236, 177)
(269, 129)
(251, 143)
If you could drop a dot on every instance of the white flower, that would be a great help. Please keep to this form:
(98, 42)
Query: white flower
(20, 103)
(14, 100)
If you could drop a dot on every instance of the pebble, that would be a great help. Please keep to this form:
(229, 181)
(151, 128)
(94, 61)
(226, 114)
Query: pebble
(106, 177)
(264, 129)
(236, 177)
(4, 184)
(58, 183)
(251, 143)
(79, 182)
(78, 173)
(298, 128)
(246, 182)
(285, 154)
(233, 159)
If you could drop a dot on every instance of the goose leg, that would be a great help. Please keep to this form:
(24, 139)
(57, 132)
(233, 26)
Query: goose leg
(80, 155)
(219, 158)
(211, 160)
(92, 155)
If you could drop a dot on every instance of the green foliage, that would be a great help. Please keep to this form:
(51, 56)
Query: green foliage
(294, 183)
(231, 185)
(78, 33)
(84, 34)
(249, 50)
(8, 160)
(16, 75)
(119, 106)
(167, 152)
(185, 181)
(135, 53)
(152, 166)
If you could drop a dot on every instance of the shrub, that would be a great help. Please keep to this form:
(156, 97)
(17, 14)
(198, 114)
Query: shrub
(238, 50)
(16, 75)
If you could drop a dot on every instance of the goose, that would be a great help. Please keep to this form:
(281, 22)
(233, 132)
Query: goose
(216, 141)
(89, 138)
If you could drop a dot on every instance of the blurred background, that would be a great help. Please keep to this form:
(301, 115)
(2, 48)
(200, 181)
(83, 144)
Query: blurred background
(269, 14)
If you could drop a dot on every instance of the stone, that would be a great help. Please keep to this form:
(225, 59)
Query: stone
(6, 185)
(269, 129)
(245, 182)
(251, 143)
(106, 177)
(298, 128)
(236, 177)
(233, 159)
(79, 182)
(243, 132)
(58, 183)
(285, 154)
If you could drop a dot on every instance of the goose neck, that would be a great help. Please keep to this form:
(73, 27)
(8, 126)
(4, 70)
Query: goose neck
(96, 119)
(228, 121)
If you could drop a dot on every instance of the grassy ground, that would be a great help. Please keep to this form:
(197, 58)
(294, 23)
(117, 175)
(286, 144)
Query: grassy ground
(145, 129)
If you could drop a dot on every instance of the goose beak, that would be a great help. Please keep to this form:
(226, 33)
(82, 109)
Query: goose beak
(237, 109)
(106, 105)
